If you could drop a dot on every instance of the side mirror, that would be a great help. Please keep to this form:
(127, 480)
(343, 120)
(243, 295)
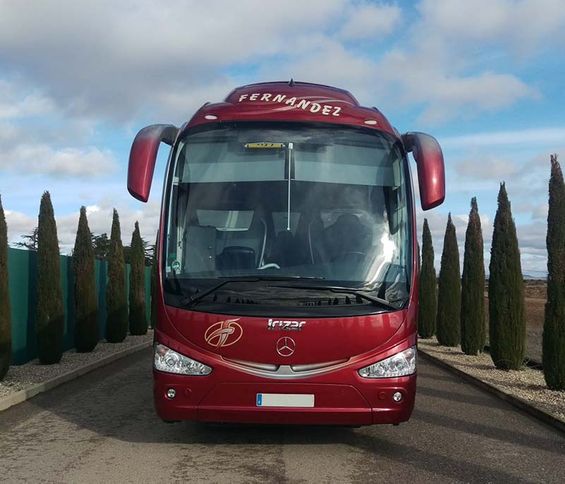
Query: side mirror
(431, 170)
(143, 155)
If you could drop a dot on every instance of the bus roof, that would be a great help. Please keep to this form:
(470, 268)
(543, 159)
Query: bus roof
(292, 101)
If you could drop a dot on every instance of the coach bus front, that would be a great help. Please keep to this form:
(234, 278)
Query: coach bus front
(288, 274)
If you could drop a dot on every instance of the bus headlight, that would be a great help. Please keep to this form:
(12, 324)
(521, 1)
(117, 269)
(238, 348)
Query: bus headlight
(165, 359)
(400, 364)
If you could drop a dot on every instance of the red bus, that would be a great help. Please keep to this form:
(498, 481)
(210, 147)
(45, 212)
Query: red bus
(287, 255)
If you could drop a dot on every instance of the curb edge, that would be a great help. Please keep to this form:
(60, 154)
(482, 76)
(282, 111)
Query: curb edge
(27, 393)
(517, 402)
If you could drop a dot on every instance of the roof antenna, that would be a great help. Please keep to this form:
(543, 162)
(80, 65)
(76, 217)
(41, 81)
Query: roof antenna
(291, 82)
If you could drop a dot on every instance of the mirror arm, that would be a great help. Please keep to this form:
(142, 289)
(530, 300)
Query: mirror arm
(408, 142)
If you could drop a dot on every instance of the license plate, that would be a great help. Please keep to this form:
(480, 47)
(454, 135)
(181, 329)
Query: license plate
(284, 400)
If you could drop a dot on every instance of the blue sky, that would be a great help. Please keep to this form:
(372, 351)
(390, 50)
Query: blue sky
(78, 80)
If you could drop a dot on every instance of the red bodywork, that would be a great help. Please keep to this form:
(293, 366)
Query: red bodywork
(342, 396)
(338, 346)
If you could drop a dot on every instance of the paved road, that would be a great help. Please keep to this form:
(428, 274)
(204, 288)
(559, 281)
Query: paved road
(102, 428)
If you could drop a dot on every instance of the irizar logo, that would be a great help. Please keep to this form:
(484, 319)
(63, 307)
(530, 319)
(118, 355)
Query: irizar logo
(286, 325)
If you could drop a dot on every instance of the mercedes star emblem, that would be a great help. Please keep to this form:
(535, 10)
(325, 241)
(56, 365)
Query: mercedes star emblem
(286, 346)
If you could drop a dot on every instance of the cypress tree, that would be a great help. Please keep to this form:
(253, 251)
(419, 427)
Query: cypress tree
(428, 287)
(5, 321)
(50, 317)
(449, 290)
(473, 332)
(86, 303)
(154, 280)
(116, 298)
(507, 328)
(137, 309)
(554, 325)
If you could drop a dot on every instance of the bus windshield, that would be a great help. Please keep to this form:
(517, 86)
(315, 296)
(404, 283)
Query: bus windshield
(325, 205)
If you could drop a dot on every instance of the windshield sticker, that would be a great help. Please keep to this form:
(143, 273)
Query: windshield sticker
(224, 333)
(264, 146)
(292, 102)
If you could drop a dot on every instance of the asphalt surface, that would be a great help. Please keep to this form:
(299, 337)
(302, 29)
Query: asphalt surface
(102, 428)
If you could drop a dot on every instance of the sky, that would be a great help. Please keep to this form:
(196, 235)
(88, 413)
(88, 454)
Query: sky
(79, 79)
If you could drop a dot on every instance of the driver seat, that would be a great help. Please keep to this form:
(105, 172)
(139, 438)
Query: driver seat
(347, 234)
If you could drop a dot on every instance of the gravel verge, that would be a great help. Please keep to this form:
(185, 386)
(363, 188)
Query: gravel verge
(527, 386)
(32, 375)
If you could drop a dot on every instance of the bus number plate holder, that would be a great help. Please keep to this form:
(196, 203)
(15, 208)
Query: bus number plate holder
(294, 400)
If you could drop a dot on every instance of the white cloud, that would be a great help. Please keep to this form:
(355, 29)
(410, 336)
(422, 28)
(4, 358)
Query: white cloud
(483, 92)
(90, 209)
(520, 25)
(17, 102)
(329, 62)
(18, 223)
(113, 59)
(84, 162)
(366, 21)
(487, 167)
(98, 60)
(527, 137)
(539, 212)
(526, 176)
(419, 70)
(40, 151)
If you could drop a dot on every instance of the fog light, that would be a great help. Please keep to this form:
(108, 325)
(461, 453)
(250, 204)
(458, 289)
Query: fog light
(171, 393)
(396, 396)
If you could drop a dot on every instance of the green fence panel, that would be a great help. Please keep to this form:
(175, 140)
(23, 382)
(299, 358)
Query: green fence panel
(22, 277)
(21, 272)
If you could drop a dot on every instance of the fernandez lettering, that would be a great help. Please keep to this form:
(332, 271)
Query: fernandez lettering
(310, 106)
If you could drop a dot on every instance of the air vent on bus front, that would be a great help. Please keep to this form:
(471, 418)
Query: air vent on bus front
(331, 301)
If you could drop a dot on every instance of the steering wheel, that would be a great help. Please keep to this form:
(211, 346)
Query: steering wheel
(270, 265)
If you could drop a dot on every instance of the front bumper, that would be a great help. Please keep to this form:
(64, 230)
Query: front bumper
(341, 397)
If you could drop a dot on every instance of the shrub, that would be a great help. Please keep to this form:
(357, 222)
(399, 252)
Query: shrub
(473, 332)
(116, 301)
(554, 325)
(86, 304)
(5, 321)
(507, 328)
(50, 316)
(137, 309)
(449, 290)
(428, 287)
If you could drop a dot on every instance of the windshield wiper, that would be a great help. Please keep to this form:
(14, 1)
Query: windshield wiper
(190, 301)
(376, 301)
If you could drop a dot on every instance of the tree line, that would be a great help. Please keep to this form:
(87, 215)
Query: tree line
(100, 245)
(50, 314)
(453, 307)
